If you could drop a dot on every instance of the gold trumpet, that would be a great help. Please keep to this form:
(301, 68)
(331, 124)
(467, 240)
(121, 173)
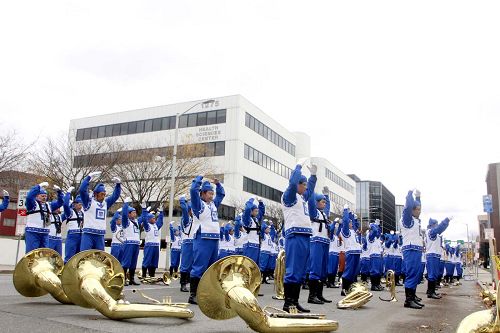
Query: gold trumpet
(485, 321)
(95, 279)
(152, 279)
(167, 279)
(357, 296)
(229, 288)
(279, 275)
(391, 285)
(37, 274)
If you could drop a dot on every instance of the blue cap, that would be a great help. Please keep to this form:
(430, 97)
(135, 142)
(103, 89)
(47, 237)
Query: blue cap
(131, 209)
(263, 227)
(117, 215)
(149, 216)
(303, 179)
(78, 199)
(319, 197)
(228, 227)
(432, 223)
(42, 191)
(99, 188)
(206, 186)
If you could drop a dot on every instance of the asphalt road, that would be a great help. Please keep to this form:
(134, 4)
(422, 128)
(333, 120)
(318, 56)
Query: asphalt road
(44, 314)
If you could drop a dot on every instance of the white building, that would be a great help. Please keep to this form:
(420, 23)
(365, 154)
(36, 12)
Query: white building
(253, 152)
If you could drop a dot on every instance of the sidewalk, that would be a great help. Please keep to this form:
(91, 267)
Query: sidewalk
(6, 269)
(484, 279)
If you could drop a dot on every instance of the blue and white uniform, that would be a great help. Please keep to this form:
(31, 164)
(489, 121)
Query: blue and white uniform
(175, 249)
(433, 248)
(252, 225)
(240, 236)
(131, 231)
(320, 241)
(74, 224)
(266, 249)
(335, 247)
(55, 238)
(152, 241)
(118, 237)
(38, 218)
(226, 245)
(365, 257)
(375, 251)
(352, 248)
(5, 201)
(188, 234)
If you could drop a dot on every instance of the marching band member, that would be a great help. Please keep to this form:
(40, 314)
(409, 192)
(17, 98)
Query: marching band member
(252, 220)
(95, 211)
(274, 251)
(459, 269)
(297, 230)
(352, 248)
(441, 262)
(74, 224)
(187, 242)
(266, 248)
(365, 257)
(412, 247)
(5, 201)
(55, 228)
(240, 235)
(449, 264)
(375, 251)
(206, 222)
(319, 212)
(433, 241)
(175, 249)
(152, 227)
(333, 253)
(226, 244)
(131, 230)
(398, 256)
(118, 236)
(38, 212)
(389, 250)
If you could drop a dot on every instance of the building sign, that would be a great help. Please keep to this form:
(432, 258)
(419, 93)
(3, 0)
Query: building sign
(488, 233)
(487, 203)
(21, 212)
(210, 104)
(210, 133)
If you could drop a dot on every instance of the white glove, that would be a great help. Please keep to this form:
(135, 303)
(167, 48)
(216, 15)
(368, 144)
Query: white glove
(127, 200)
(44, 184)
(326, 190)
(57, 188)
(355, 216)
(313, 169)
(5, 193)
(153, 212)
(148, 209)
(258, 199)
(392, 232)
(450, 217)
(336, 220)
(397, 232)
(417, 192)
(95, 174)
(70, 189)
(172, 223)
(346, 206)
(182, 196)
(116, 180)
(377, 222)
(119, 210)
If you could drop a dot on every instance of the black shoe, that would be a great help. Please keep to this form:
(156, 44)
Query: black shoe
(288, 297)
(417, 299)
(144, 273)
(193, 289)
(329, 282)
(264, 278)
(319, 293)
(184, 281)
(296, 295)
(410, 302)
(313, 289)
(132, 282)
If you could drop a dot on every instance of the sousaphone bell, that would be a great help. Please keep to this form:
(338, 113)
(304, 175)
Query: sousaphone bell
(485, 321)
(37, 274)
(95, 279)
(357, 296)
(229, 288)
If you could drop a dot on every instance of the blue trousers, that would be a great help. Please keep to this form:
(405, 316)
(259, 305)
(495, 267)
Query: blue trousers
(240, 251)
(413, 259)
(351, 264)
(376, 266)
(398, 262)
(187, 257)
(365, 266)
(151, 256)
(389, 264)
(459, 269)
(272, 264)
(223, 254)
(117, 251)
(35, 240)
(297, 253)
(450, 267)
(92, 242)
(72, 246)
(333, 263)
(175, 258)
(441, 268)
(56, 245)
(252, 253)
(129, 256)
(319, 261)
(264, 261)
(205, 253)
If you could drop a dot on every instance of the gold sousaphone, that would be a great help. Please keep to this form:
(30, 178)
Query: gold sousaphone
(167, 279)
(485, 321)
(95, 279)
(279, 275)
(390, 284)
(229, 288)
(357, 296)
(37, 274)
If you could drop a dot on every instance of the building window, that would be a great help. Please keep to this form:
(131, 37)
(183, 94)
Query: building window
(79, 134)
(202, 119)
(211, 117)
(132, 127)
(140, 126)
(148, 125)
(101, 131)
(268, 134)
(220, 148)
(339, 181)
(191, 120)
(265, 161)
(123, 129)
(261, 190)
(157, 124)
(9, 222)
(116, 130)
(108, 131)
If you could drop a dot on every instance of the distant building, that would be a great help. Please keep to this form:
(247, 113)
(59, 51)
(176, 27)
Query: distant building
(399, 213)
(493, 188)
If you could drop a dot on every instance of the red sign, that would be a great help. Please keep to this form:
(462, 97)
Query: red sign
(21, 212)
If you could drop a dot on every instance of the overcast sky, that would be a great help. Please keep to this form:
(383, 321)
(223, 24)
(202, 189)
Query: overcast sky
(403, 92)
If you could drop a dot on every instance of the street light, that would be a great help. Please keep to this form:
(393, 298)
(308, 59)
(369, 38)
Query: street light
(172, 179)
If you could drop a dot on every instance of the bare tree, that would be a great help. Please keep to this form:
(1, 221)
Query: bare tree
(274, 211)
(13, 152)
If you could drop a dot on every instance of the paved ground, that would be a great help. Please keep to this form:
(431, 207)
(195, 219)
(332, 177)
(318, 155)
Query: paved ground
(44, 314)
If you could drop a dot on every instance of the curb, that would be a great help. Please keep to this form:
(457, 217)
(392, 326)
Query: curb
(7, 272)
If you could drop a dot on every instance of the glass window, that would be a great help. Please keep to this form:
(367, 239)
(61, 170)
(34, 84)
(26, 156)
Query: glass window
(79, 134)
(210, 149)
(157, 124)
(261, 159)
(123, 128)
(221, 116)
(140, 126)
(132, 127)
(280, 142)
(100, 131)
(245, 184)
(260, 127)
(202, 119)
(246, 152)
(252, 123)
(220, 148)
(211, 117)
(108, 131)
(172, 122)
(247, 120)
(165, 123)
(116, 129)
(192, 120)
(266, 130)
(148, 125)
(93, 133)
(183, 121)
(86, 134)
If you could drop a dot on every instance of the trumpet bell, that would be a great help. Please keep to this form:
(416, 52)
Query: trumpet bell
(113, 278)
(357, 296)
(37, 274)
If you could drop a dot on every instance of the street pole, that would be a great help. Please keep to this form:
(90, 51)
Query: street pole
(172, 181)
